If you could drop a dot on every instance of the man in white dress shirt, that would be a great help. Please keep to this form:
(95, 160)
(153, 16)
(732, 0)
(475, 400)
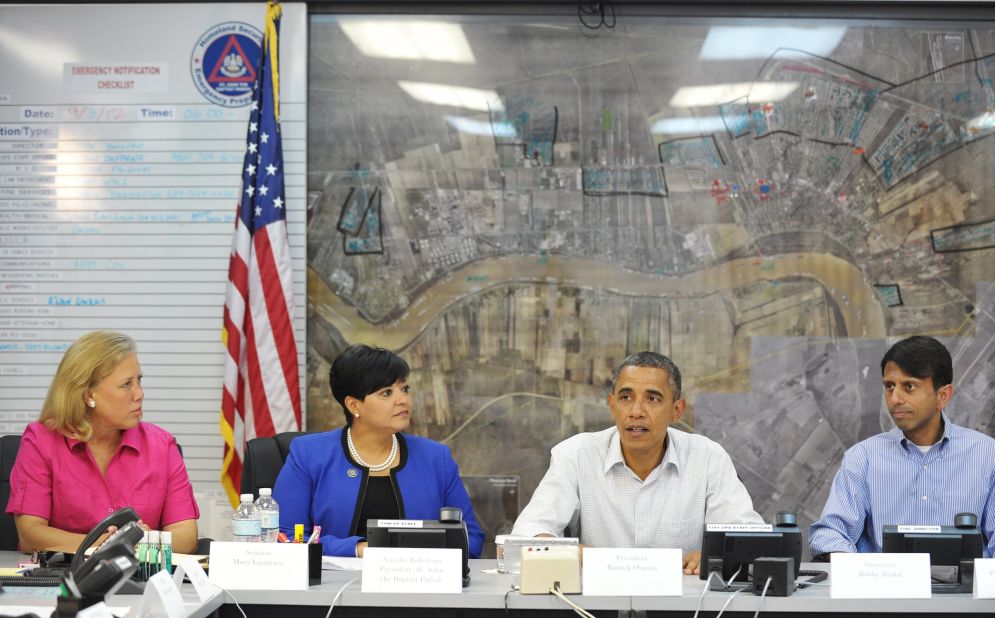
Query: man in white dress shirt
(640, 483)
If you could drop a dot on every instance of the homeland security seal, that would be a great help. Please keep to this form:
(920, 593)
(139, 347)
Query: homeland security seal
(223, 63)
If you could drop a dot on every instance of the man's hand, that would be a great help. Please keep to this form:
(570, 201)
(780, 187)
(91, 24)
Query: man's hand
(692, 563)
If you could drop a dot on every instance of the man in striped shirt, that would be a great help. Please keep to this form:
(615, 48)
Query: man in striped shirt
(923, 472)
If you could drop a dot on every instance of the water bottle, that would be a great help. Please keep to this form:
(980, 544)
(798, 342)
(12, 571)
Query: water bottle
(269, 515)
(245, 524)
(143, 556)
(166, 553)
(153, 554)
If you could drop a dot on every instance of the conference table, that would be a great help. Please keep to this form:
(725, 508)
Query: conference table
(41, 602)
(491, 595)
(16, 600)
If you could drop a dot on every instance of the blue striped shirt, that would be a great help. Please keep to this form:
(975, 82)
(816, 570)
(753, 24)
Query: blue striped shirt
(887, 480)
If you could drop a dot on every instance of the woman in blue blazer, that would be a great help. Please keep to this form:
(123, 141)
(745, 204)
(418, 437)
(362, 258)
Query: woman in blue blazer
(369, 469)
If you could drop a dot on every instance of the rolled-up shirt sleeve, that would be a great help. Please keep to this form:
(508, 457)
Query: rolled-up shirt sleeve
(727, 500)
(556, 501)
(31, 478)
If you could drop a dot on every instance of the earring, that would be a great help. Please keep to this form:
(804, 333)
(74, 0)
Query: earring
(356, 414)
(92, 403)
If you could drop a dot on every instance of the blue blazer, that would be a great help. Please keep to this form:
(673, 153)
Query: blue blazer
(321, 485)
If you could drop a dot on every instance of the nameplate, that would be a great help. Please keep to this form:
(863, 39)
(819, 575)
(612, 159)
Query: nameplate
(162, 598)
(399, 523)
(920, 529)
(412, 570)
(190, 568)
(739, 527)
(259, 566)
(633, 572)
(880, 576)
(984, 578)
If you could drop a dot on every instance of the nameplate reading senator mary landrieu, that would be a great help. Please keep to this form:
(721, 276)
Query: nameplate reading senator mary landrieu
(880, 576)
(632, 572)
(259, 566)
(402, 569)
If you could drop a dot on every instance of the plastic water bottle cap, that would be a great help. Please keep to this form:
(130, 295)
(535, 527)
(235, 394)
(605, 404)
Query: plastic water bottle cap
(265, 491)
(166, 537)
(246, 498)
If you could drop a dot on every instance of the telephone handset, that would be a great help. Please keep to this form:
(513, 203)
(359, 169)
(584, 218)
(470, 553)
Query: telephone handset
(121, 544)
(119, 518)
(108, 575)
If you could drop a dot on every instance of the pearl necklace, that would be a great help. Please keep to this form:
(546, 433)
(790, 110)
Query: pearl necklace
(379, 467)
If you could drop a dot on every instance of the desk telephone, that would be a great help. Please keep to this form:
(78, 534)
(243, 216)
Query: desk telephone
(111, 566)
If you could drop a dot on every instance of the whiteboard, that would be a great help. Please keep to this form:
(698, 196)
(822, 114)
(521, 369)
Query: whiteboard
(118, 188)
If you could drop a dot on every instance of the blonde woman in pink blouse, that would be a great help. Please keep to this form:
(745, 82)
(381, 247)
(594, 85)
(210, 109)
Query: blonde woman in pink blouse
(89, 454)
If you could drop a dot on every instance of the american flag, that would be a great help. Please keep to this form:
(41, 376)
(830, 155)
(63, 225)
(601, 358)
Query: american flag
(261, 391)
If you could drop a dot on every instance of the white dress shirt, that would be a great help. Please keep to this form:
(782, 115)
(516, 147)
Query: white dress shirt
(589, 489)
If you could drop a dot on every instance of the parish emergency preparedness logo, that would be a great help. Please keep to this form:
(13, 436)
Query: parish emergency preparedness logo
(223, 63)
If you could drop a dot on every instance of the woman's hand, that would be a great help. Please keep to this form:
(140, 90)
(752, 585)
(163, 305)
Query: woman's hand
(103, 537)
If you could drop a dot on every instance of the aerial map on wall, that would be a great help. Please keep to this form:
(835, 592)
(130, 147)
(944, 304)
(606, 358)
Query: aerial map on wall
(514, 206)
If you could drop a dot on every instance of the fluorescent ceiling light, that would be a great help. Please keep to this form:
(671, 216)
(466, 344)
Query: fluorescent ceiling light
(733, 42)
(482, 127)
(410, 40)
(44, 56)
(688, 126)
(453, 96)
(716, 94)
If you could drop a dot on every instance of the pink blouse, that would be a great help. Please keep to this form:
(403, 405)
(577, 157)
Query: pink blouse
(57, 478)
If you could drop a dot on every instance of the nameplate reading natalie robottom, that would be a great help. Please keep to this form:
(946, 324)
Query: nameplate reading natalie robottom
(259, 566)
(632, 572)
(880, 576)
(412, 570)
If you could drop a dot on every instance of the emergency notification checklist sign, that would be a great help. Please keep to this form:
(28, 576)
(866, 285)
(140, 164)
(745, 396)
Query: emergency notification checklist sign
(108, 77)
(122, 136)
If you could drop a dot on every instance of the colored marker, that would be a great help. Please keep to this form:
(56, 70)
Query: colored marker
(298, 533)
(282, 537)
(315, 534)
